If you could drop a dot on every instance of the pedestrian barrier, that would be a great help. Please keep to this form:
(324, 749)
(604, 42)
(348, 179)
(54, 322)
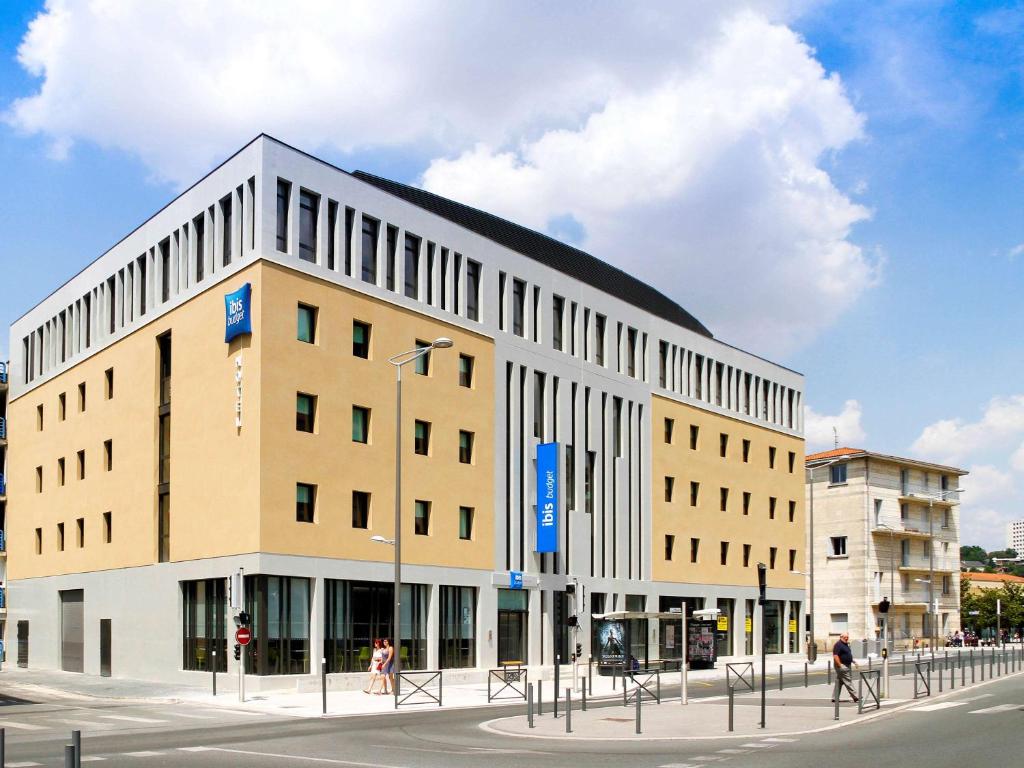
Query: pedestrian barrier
(422, 688)
(511, 679)
(645, 685)
(865, 680)
(738, 675)
(922, 681)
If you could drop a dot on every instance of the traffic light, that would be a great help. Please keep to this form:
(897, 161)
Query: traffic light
(244, 620)
(238, 652)
(579, 650)
(572, 621)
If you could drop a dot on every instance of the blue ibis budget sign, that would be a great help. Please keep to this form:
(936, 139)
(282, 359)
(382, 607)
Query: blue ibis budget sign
(547, 497)
(515, 579)
(237, 319)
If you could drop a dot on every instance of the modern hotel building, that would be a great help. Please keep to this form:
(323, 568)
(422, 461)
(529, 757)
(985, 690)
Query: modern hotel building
(154, 459)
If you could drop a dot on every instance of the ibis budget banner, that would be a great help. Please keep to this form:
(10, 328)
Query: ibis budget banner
(547, 497)
(236, 313)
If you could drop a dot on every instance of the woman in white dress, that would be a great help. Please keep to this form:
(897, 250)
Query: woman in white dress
(376, 663)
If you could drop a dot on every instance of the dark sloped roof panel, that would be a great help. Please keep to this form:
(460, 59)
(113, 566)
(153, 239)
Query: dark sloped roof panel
(546, 250)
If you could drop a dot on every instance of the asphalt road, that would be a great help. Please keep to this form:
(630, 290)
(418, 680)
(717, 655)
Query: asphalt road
(977, 727)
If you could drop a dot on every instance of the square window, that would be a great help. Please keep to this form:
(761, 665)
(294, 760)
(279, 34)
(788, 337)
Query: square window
(465, 371)
(694, 550)
(746, 451)
(422, 365)
(694, 433)
(108, 527)
(694, 493)
(108, 454)
(360, 509)
(466, 440)
(305, 412)
(108, 384)
(670, 544)
(723, 445)
(771, 457)
(307, 324)
(723, 499)
(305, 502)
(360, 339)
(670, 483)
(360, 424)
(669, 427)
(723, 552)
(837, 474)
(422, 518)
(421, 441)
(466, 523)
(746, 555)
(837, 546)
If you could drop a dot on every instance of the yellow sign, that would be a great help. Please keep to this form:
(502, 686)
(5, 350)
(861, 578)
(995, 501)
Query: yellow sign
(723, 623)
(792, 625)
(749, 625)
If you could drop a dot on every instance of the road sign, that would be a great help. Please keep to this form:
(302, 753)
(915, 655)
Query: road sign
(243, 635)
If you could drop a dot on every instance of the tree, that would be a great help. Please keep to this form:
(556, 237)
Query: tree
(975, 553)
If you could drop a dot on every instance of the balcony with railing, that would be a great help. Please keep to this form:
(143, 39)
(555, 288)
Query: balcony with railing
(915, 493)
(915, 598)
(920, 564)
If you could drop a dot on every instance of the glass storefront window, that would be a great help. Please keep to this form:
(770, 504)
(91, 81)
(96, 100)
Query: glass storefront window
(457, 639)
(723, 637)
(773, 626)
(672, 643)
(279, 607)
(793, 625)
(204, 628)
(513, 626)
(359, 612)
(748, 629)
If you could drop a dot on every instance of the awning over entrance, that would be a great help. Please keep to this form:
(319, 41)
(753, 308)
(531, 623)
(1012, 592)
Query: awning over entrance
(627, 615)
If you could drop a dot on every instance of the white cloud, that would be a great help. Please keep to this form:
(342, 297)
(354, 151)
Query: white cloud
(818, 428)
(1017, 250)
(952, 440)
(987, 484)
(682, 138)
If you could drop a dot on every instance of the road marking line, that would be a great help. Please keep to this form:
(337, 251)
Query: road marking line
(937, 707)
(191, 717)
(238, 712)
(83, 723)
(975, 698)
(129, 719)
(778, 740)
(22, 765)
(92, 759)
(23, 727)
(330, 760)
(195, 749)
(679, 765)
(757, 746)
(706, 758)
(144, 753)
(733, 751)
(997, 708)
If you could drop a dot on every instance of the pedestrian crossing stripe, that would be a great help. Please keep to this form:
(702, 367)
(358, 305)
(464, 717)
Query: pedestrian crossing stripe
(940, 705)
(997, 708)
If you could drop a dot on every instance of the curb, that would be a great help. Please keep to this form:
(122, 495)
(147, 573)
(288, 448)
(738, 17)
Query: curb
(489, 727)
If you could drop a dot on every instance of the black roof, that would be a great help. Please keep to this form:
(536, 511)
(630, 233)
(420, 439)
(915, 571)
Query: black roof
(548, 251)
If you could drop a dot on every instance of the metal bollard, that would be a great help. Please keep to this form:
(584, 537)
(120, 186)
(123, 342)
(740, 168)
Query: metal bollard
(731, 694)
(558, 662)
(828, 674)
(972, 665)
(540, 697)
(76, 742)
(213, 666)
(963, 676)
(952, 678)
(529, 706)
(805, 680)
(69, 756)
(584, 702)
(780, 677)
(3, 761)
(904, 664)
(638, 700)
(323, 683)
(836, 701)
(992, 664)
(940, 680)
(860, 695)
(869, 663)
(568, 710)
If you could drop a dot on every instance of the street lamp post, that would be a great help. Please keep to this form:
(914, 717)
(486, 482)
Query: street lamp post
(398, 361)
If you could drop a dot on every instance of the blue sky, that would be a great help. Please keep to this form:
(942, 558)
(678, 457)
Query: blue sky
(838, 185)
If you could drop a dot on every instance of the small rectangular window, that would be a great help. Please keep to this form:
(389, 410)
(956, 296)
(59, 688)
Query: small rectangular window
(60, 471)
(360, 424)
(670, 544)
(307, 324)
(412, 266)
(39, 479)
(332, 225)
(360, 339)
(80, 532)
(108, 454)
(837, 474)
(81, 398)
(309, 215)
(39, 541)
(723, 494)
(694, 550)
(792, 511)
(225, 216)
(466, 523)
(518, 306)
(360, 509)
(422, 518)
(772, 554)
(465, 371)
(670, 484)
(284, 192)
(108, 377)
(723, 552)
(746, 451)
(557, 318)
(669, 426)
(599, 328)
(904, 512)
(108, 527)
(422, 364)
(305, 502)
(694, 433)
(81, 465)
(771, 457)
(60, 537)
(305, 412)
(466, 440)
(392, 255)
(746, 502)
(792, 559)
(746, 555)
(772, 501)
(421, 441)
(472, 290)
(792, 462)
(837, 546)
(371, 230)
(39, 418)
(62, 406)
(723, 445)
(694, 492)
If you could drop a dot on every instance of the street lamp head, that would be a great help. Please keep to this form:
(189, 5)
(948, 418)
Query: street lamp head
(381, 540)
(442, 343)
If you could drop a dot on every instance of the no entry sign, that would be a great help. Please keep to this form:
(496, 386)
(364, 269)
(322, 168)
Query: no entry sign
(243, 635)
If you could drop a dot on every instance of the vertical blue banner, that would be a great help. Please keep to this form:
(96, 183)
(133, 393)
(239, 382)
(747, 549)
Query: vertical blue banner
(547, 497)
(236, 313)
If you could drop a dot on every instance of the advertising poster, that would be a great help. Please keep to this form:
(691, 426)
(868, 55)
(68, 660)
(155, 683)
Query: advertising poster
(611, 641)
(700, 648)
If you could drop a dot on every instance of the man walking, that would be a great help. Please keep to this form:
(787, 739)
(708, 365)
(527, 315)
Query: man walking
(842, 659)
